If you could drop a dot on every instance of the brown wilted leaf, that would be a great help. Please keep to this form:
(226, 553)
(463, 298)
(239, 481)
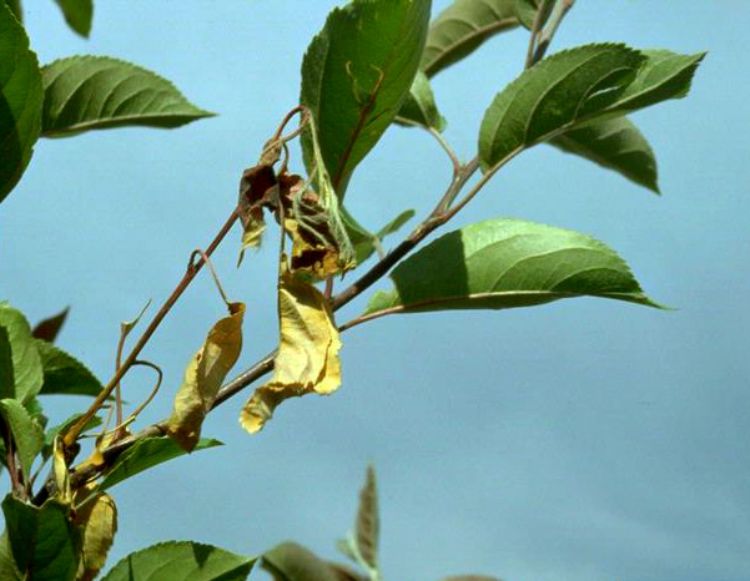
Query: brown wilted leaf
(203, 377)
(307, 361)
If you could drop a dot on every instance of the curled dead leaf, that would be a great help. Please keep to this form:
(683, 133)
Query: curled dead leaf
(308, 357)
(203, 377)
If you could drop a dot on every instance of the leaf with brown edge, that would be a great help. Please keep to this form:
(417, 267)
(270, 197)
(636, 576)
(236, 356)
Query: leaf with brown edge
(48, 329)
(367, 530)
(307, 361)
(204, 376)
(257, 186)
(97, 522)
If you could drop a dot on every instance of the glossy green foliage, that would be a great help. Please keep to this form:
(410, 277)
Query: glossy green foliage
(462, 27)
(145, 454)
(181, 560)
(82, 93)
(43, 541)
(78, 14)
(578, 86)
(20, 100)
(365, 243)
(504, 263)
(356, 73)
(28, 434)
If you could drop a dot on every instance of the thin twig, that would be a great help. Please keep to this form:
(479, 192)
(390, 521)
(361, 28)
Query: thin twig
(561, 9)
(536, 29)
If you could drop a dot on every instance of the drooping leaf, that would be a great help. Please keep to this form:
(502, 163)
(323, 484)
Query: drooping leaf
(97, 521)
(615, 144)
(43, 541)
(204, 376)
(367, 529)
(307, 361)
(419, 106)
(48, 329)
(355, 75)
(365, 242)
(505, 263)
(64, 374)
(527, 11)
(145, 454)
(578, 86)
(8, 569)
(20, 100)
(462, 28)
(181, 560)
(27, 365)
(28, 435)
(292, 562)
(82, 93)
(78, 14)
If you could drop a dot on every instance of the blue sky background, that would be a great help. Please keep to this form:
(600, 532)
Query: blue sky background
(588, 440)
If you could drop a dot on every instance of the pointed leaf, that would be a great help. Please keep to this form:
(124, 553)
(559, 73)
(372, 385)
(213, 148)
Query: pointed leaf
(365, 242)
(419, 106)
(505, 263)
(95, 92)
(28, 435)
(97, 521)
(181, 560)
(367, 529)
(48, 329)
(462, 27)
(307, 361)
(27, 366)
(64, 374)
(78, 14)
(616, 144)
(574, 87)
(203, 377)
(292, 562)
(43, 540)
(20, 100)
(147, 453)
(356, 73)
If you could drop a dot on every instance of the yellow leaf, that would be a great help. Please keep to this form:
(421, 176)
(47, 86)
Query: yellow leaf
(60, 472)
(311, 253)
(308, 357)
(97, 522)
(203, 377)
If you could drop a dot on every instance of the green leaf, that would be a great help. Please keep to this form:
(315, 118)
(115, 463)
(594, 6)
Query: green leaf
(78, 14)
(419, 107)
(145, 454)
(20, 100)
(48, 329)
(64, 374)
(365, 242)
(15, 8)
(292, 562)
(505, 263)
(43, 540)
(528, 9)
(7, 382)
(367, 525)
(82, 93)
(616, 144)
(181, 560)
(577, 86)
(355, 75)
(8, 569)
(27, 365)
(462, 27)
(28, 435)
